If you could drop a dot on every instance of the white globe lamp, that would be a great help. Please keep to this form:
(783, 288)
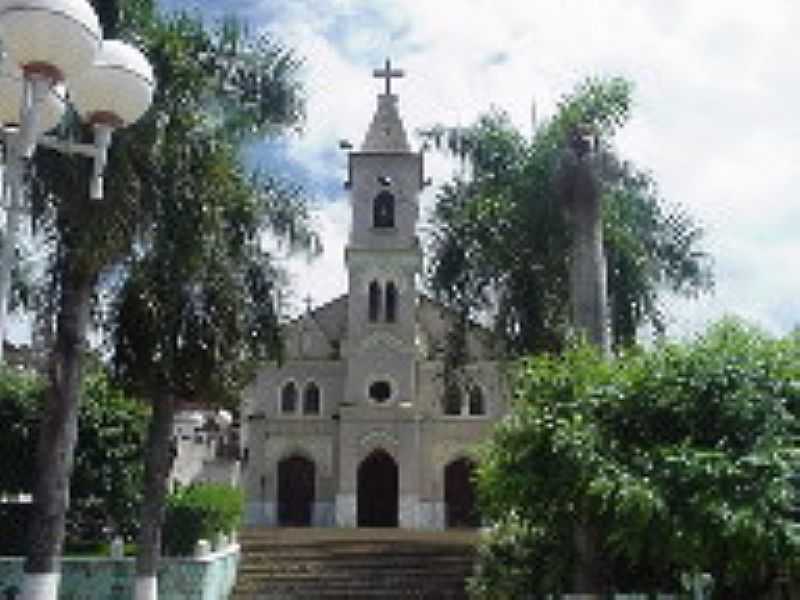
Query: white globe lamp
(114, 92)
(11, 94)
(56, 39)
(118, 87)
(51, 41)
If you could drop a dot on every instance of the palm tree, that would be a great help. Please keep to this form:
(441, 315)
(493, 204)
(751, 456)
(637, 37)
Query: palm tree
(91, 240)
(193, 312)
(557, 233)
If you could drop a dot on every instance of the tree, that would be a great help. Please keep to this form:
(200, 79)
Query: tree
(529, 191)
(106, 483)
(193, 309)
(86, 239)
(681, 457)
(90, 241)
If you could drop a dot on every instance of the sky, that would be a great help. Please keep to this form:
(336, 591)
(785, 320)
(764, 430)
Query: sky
(717, 86)
(714, 120)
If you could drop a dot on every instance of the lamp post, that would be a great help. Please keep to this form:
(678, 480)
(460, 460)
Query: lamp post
(55, 43)
(53, 47)
(11, 102)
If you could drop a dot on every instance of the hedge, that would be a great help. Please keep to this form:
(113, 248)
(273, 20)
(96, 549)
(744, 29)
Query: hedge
(200, 512)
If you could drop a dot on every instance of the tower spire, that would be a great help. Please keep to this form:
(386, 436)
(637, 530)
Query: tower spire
(386, 132)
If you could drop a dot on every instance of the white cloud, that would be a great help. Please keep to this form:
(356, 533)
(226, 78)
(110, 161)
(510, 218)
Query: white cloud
(322, 278)
(717, 87)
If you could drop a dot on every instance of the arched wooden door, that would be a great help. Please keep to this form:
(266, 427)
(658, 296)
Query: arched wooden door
(295, 491)
(459, 494)
(378, 491)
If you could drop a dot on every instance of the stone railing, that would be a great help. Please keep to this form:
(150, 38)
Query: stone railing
(206, 576)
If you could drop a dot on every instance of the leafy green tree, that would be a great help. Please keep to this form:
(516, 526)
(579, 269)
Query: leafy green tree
(106, 483)
(677, 460)
(194, 307)
(504, 236)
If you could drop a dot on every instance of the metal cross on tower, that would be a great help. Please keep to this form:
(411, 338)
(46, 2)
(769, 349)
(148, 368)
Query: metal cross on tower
(388, 73)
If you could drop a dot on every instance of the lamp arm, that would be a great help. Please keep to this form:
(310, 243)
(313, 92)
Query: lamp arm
(67, 146)
(97, 151)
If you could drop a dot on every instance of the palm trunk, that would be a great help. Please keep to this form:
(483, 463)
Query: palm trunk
(158, 462)
(58, 434)
(588, 296)
(588, 265)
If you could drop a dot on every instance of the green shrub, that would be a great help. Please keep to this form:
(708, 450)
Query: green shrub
(199, 512)
(518, 560)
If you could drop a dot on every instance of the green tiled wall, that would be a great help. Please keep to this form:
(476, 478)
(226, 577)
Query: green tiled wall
(208, 578)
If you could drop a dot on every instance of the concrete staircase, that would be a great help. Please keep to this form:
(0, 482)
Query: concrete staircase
(306, 563)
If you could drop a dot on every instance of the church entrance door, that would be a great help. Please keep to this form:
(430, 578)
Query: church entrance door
(377, 491)
(295, 491)
(459, 494)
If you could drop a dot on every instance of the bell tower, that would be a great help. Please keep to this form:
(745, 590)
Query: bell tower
(383, 257)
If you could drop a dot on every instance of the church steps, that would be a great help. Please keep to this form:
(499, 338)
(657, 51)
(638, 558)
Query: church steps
(311, 563)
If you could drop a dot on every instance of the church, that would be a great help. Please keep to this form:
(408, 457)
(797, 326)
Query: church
(353, 428)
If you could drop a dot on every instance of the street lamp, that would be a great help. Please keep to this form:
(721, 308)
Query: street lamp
(54, 51)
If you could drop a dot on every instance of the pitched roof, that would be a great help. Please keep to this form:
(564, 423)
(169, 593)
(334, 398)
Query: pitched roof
(386, 132)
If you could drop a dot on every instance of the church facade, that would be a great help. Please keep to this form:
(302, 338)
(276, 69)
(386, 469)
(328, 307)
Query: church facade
(353, 427)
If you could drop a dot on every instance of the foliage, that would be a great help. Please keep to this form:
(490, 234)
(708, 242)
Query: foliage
(192, 310)
(107, 477)
(21, 396)
(106, 484)
(517, 559)
(517, 189)
(674, 460)
(194, 306)
(200, 512)
(214, 91)
(14, 517)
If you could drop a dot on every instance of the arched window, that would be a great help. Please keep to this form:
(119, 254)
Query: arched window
(391, 302)
(289, 398)
(452, 399)
(383, 210)
(374, 301)
(477, 405)
(311, 402)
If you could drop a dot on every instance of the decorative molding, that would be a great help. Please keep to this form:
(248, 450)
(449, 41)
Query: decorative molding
(320, 451)
(300, 428)
(378, 438)
(403, 260)
(447, 451)
(384, 338)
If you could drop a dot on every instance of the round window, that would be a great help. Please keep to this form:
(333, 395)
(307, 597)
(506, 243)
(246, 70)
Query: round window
(380, 391)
